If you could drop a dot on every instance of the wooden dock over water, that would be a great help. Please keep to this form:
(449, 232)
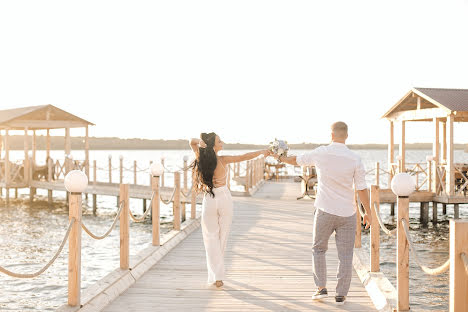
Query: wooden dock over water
(268, 264)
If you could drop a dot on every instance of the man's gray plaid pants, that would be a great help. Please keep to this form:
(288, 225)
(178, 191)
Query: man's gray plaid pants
(345, 230)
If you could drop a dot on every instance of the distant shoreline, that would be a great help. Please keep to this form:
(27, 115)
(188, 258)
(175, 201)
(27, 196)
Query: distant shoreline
(112, 143)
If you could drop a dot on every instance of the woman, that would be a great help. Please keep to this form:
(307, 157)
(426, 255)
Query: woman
(211, 173)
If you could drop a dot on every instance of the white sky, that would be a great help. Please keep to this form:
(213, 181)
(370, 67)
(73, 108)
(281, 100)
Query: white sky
(248, 70)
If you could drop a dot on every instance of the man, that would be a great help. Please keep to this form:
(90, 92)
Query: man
(338, 168)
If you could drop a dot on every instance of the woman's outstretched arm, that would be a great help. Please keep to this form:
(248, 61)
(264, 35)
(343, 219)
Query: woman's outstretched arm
(247, 156)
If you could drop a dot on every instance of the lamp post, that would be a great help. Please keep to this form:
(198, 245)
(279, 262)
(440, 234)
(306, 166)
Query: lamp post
(156, 170)
(185, 186)
(402, 186)
(75, 182)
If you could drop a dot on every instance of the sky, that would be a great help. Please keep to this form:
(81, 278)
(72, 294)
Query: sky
(247, 70)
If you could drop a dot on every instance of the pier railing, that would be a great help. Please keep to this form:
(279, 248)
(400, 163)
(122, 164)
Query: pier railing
(457, 262)
(123, 216)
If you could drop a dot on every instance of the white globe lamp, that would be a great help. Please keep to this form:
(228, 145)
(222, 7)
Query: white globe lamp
(76, 181)
(186, 158)
(121, 157)
(110, 156)
(403, 184)
(156, 169)
(399, 157)
(429, 158)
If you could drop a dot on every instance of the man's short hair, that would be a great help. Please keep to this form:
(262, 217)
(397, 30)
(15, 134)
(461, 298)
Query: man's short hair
(340, 129)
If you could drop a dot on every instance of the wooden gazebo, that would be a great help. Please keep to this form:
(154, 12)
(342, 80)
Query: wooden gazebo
(34, 118)
(442, 107)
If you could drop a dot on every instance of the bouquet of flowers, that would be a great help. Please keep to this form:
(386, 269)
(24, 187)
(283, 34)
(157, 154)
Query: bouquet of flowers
(279, 147)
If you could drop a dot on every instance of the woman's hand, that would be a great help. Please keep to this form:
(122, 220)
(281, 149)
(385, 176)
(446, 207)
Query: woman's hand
(202, 144)
(266, 153)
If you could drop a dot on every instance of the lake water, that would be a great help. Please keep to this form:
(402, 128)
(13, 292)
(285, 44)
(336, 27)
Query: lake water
(30, 235)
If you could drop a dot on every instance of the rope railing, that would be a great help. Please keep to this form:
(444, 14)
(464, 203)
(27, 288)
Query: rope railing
(436, 271)
(464, 258)
(382, 225)
(109, 230)
(167, 202)
(35, 274)
(145, 214)
(186, 195)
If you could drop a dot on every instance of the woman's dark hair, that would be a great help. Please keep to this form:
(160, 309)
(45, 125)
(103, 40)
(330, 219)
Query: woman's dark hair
(205, 165)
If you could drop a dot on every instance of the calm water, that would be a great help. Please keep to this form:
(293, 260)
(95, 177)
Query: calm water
(30, 235)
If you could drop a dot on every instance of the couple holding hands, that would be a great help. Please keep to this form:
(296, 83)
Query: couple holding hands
(340, 172)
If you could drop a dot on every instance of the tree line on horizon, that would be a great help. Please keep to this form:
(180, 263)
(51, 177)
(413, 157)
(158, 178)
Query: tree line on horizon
(113, 143)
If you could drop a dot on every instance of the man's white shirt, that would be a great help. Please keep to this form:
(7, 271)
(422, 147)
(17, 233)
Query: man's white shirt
(338, 168)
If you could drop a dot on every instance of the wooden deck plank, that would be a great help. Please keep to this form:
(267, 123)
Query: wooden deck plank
(268, 265)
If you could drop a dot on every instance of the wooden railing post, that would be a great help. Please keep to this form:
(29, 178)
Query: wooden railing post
(121, 169)
(110, 168)
(124, 228)
(176, 203)
(377, 173)
(458, 274)
(74, 251)
(162, 176)
(402, 255)
(193, 204)
(374, 230)
(247, 174)
(357, 239)
(135, 172)
(185, 186)
(49, 179)
(155, 211)
(228, 176)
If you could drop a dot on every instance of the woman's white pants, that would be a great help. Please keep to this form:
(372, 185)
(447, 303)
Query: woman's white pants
(216, 224)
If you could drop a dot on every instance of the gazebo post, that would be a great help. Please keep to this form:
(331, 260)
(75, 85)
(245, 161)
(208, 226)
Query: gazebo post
(402, 147)
(32, 164)
(26, 156)
(87, 155)
(436, 153)
(450, 173)
(7, 167)
(67, 150)
(391, 153)
(34, 149)
(87, 152)
(444, 141)
(48, 146)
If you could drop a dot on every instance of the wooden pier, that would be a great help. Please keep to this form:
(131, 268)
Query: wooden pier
(268, 263)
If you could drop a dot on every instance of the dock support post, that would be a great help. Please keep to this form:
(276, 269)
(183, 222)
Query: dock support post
(16, 192)
(74, 253)
(94, 185)
(434, 212)
(50, 198)
(444, 209)
(176, 203)
(144, 205)
(424, 217)
(374, 230)
(94, 204)
(124, 229)
(392, 209)
(456, 211)
(458, 274)
(402, 255)
(155, 210)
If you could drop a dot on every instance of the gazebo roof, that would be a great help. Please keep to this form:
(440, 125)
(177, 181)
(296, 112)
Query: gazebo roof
(424, 104)
(39, 118)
